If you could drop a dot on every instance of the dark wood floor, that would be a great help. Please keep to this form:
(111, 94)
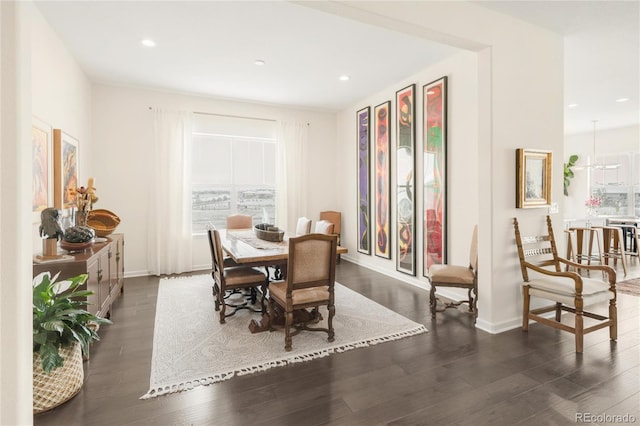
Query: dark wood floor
(454, 374)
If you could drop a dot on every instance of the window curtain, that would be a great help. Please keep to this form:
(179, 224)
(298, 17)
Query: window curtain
(291, 173)
(169, 215)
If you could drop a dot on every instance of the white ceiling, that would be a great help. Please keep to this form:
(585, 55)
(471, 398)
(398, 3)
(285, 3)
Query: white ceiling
(209, 48)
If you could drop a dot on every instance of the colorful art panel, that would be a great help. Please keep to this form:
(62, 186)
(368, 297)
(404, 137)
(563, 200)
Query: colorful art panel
(435, 173)
(42, 157)
(383, 179)
(65, 150)
(364, 181)
(405, 180)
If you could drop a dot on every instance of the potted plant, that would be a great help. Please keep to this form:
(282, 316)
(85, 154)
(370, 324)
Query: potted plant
(62, 332)
(568, 173)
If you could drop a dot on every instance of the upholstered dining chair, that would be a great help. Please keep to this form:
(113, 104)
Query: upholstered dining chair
(304, 226)
(324, 227)
(235, 278)
(239, 221)
(336, 219)
(568, 291)
(443, 275)
(309, 284)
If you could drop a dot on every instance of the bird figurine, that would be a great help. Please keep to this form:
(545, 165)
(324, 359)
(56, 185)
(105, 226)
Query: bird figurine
(50, 224)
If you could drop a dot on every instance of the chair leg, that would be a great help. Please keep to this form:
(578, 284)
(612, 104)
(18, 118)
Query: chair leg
(579, 330)
(475, 303)
(432, 301)
(558, 311)
(525, 308)
(613, 317)
(223, 307)
(287, 331)
(332, 312)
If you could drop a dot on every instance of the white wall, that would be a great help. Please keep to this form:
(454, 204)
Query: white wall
(462, 143)
(61, 96)
(122, 131)
(520, 105)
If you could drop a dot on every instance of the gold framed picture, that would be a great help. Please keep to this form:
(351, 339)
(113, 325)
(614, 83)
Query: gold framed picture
(42, 158)
(533, 174)
(65, 167)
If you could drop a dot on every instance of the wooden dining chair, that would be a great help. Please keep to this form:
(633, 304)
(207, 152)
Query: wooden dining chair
(239, 221)
(236, 278)
(309, 284)
(460, 276)
(544, 278)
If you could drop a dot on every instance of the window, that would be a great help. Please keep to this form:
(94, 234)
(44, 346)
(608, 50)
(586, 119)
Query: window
(233, 170)
(615, 182)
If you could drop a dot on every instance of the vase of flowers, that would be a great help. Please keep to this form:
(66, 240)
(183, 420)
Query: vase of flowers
(592, 204)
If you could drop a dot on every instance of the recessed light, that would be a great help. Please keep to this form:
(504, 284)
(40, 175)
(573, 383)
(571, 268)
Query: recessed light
(572, 105)
(148, 42)
(343, 77)
(259, 62)
(622, 99)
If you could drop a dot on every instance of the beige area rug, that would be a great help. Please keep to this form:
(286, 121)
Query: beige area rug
(191, 348)
(631, 286)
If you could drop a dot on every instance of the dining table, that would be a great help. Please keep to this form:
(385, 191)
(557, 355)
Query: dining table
(246, 249)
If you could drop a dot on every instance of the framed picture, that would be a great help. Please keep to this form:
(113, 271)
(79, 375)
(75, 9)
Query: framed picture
(42, 158)
(65, 166)
(382, 130)
(405, 180)
(434, 98)
(533, 171)
(364, 180)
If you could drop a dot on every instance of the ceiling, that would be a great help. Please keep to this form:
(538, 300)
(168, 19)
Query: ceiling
(209, 48)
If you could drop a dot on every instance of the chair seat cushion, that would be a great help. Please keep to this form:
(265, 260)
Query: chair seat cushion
(243, 276)
(562, 289)
(278, 290)
(450, 274)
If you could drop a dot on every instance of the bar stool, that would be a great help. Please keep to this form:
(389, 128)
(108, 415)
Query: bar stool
(576, 253)
(613, 246)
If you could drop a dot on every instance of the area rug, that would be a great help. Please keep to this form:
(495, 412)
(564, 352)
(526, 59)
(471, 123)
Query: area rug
(631, 286)
(191, 348)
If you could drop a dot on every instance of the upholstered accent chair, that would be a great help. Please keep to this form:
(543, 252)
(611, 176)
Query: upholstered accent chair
(309, 284)
(229, 279)
(568, 291)
(466, 277)
(324, 227)
(239, 221)
(304, 226)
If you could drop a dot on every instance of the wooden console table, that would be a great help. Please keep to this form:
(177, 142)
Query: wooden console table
(103, 262)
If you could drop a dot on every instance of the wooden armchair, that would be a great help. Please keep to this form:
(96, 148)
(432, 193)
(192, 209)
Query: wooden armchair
(233, 279)
(309, 284)
(569, 291)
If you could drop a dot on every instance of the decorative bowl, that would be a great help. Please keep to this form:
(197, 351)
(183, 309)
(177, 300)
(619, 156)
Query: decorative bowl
(104, 222)
(268, 232)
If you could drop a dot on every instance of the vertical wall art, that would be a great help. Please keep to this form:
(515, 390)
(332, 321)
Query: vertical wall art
(533, 171)
(65, 154)
(435, 172)
(42, 157)
(364, 181)
(383, 179)
(405, 180)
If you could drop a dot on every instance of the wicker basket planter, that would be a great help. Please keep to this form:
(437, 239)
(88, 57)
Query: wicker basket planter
(62, 384)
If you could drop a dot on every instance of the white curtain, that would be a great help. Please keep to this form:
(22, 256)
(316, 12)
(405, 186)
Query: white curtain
(291, 173)
(169, 214)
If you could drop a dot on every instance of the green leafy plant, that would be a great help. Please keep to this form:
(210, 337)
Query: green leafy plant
(568, 173)
(59, 318)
